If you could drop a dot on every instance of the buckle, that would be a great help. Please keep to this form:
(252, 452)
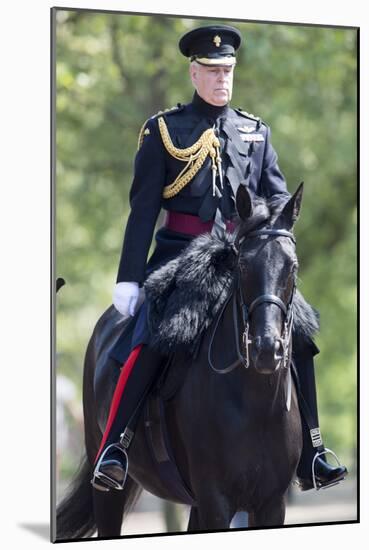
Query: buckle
(126, 438)
(317, 484)
(105, 479)
(316, 437)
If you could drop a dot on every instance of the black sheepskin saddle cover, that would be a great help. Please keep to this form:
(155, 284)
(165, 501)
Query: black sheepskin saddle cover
(186, 294)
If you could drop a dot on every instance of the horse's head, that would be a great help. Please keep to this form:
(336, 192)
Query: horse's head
(267, 275)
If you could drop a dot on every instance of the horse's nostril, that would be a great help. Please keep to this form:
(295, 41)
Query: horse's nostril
(278, 349)
(257, 343)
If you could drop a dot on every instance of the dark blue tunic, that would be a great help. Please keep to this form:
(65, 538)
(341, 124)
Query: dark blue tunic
(248, 158)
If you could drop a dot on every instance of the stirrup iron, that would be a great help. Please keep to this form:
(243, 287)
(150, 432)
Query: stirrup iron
(112, 483)
(316, 483)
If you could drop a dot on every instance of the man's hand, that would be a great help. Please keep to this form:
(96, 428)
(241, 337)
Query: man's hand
(125, 298)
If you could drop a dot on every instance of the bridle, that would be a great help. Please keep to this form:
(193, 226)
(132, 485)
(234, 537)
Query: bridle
(287, 310)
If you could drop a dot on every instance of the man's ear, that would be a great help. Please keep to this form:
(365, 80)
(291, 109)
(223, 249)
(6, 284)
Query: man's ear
(193, 73)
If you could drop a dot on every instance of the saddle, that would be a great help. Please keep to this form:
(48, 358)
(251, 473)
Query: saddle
(158, 441)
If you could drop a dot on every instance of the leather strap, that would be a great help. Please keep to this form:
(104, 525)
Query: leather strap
(304, 407)
(273, 233)
(269, 298)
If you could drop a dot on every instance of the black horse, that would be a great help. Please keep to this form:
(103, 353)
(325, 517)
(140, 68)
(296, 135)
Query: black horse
(236, 437)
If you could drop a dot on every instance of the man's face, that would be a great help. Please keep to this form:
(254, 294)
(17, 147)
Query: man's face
(213, 84)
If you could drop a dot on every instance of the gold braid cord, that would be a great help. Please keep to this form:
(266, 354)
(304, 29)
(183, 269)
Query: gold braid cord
(194, 156)
(141, 135)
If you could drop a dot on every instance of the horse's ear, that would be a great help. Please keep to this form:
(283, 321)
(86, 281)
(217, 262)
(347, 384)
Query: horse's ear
(59, 283)
(243, 202)
(291, 210)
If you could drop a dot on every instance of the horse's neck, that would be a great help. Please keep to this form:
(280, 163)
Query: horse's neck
(264, 393)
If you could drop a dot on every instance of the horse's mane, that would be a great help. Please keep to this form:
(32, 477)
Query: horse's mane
(186, 294)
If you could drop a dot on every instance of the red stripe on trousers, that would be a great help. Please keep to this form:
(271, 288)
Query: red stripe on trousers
(122, 381)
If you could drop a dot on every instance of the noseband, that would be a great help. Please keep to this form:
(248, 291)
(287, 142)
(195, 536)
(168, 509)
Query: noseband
(285, 340)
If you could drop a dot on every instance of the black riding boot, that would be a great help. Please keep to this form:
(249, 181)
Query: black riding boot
(313, 455)
(111, 464)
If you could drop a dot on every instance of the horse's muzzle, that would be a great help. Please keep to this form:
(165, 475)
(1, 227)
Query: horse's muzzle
(267, 353)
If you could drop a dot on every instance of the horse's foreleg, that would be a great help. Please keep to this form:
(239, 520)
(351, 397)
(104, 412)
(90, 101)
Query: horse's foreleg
(193, 522)
(211, 513)
(110, 506)
(270, 514)
(108, 511)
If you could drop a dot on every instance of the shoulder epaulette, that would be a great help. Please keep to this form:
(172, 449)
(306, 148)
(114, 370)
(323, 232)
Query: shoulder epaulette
(145, 131)
(172, 110)
(249, 115)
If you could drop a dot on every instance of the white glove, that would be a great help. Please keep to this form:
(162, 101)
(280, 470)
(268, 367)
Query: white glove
(125, 298)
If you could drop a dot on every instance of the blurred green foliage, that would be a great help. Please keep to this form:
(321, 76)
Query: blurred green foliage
(116, 70)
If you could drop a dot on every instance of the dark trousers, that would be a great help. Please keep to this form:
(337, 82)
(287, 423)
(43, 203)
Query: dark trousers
(145, 371)
(303, 357)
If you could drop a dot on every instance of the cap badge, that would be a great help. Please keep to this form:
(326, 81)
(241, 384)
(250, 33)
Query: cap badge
(217, 40)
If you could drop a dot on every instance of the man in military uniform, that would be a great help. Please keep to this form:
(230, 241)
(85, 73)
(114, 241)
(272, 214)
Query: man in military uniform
(190, 161)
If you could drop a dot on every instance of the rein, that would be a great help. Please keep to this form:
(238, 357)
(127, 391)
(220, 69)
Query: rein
(285, 339)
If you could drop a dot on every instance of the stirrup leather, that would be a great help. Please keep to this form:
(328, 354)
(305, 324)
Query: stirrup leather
(316, 483)
(106, 479)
